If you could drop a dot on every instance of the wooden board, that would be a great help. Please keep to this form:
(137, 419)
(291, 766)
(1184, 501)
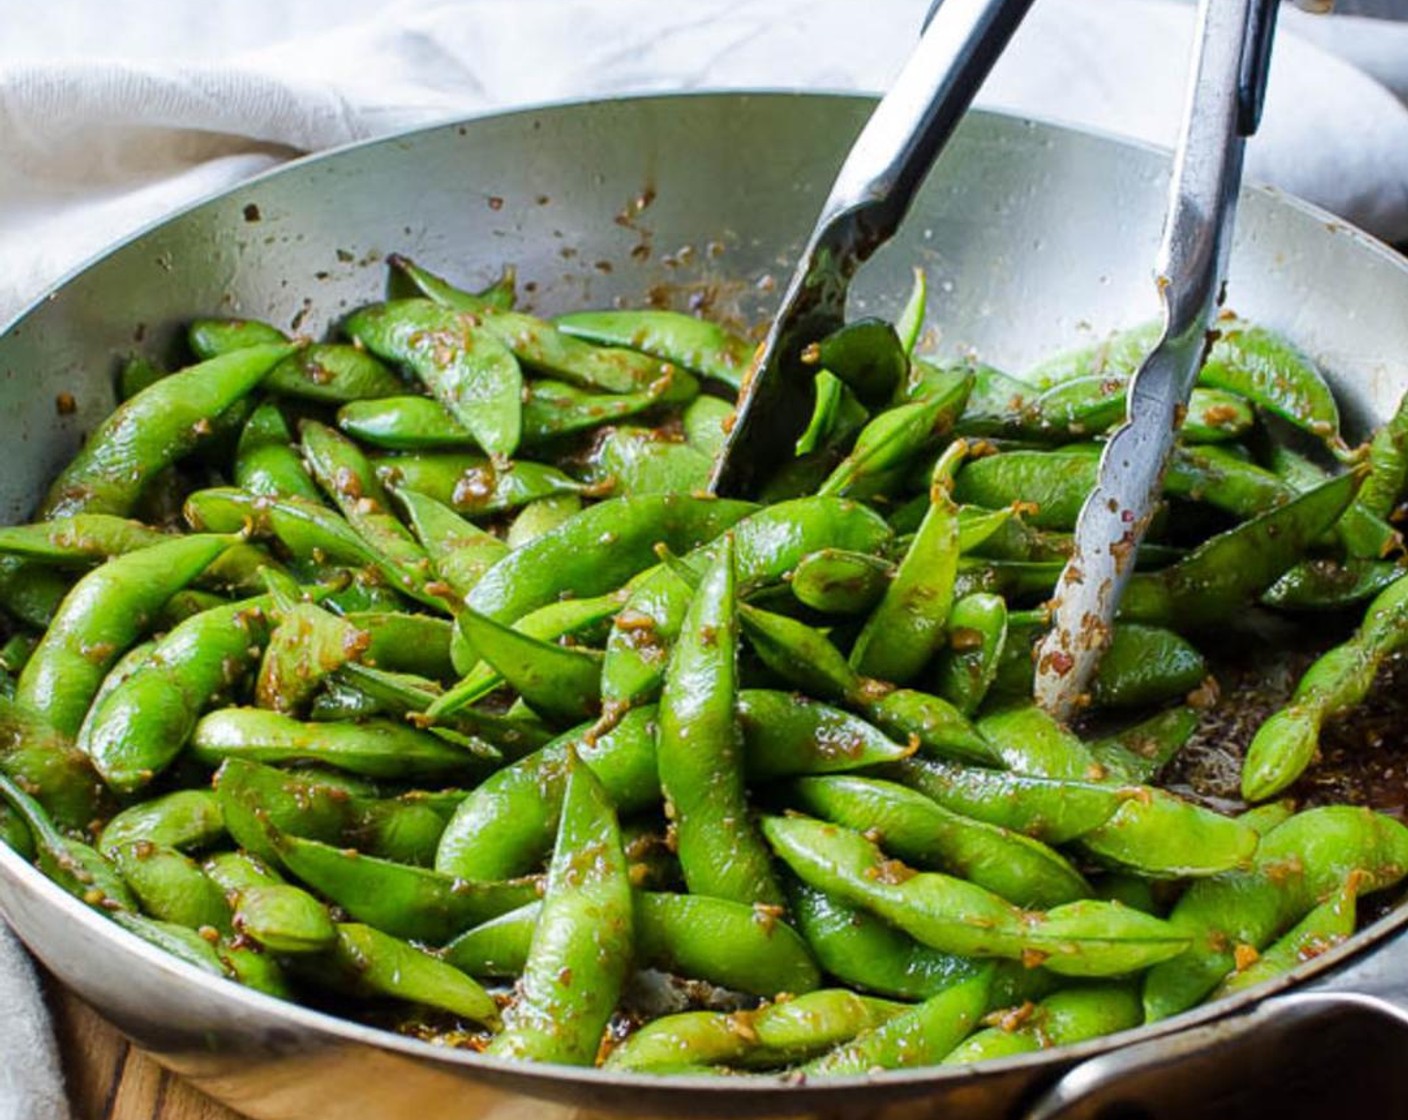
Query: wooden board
(109, 1079)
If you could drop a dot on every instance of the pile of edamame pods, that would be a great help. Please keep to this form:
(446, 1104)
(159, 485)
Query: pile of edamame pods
(414, 674)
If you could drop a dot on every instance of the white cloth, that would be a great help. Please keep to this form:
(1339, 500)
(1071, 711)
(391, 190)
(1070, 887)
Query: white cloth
(111, 116)
(31, 1087)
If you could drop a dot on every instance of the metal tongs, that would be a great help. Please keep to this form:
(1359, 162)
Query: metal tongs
(1225, 96)
(885, 167)
(872, 193)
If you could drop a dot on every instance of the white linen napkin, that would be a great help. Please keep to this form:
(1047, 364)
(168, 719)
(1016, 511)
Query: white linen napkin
(31, 1085)
(119, 121)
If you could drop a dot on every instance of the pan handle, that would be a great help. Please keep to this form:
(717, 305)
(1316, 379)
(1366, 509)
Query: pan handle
(1310, 1052)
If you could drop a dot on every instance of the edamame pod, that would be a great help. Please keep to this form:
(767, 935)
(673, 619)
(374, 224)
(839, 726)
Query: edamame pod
(907, 626)
(699, 346)
(1085, 938)
(152, 430)
(541, 346)
(581, 947)
(1061, 1019)
(138, 728)
(265, 461)
(1286, 743)
(106, 611)
(920, 1036)
(699, 750)
(468, 369)
(1019, 869)
(375, 749)
(742, 948)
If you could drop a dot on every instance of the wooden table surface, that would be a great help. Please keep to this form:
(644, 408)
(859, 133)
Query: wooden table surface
(108, 1079)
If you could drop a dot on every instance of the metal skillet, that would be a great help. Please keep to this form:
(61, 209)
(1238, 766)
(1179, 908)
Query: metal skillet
(1045, 235)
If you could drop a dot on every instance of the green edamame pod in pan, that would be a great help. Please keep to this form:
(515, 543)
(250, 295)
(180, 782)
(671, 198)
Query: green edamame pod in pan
(104, 614)
(254, 798)
(505, 826)
(472, 484)
(137, 373)
(369, 961)
(910, 321)
(967, 664)
(171, 886)
(861, 950)
(1326, 584)
(306, 645)
(768, 543)
(646, 461)
(265, 462)
(81, 870)
(555, 409)
(806, 658)
(186, 819)
(1117, 355)
(743, 948)
(917, 1037)
(348, 478)
(699, 751)
(1388, 465)
(80, 539)
(699, 346)
(404, 424)
(547, 569)
(1328, 925)
(1061, 1019)
(284, 919)
(893, 438)
(1231, 569)
(1298, 864)
(541, 346)
(1286, 743)
(918, 830)
(1216, 416)
(328, 372)
(460, 552)
(581, 947)
(706, 421)
(905, 629)
(837, 581)
(1143, 665)
(778, 1034)
(536, 518)
(1364, 534)
(48, 766)
(152, 430)
(868, 356)
(136, 731)
(786, 734)
(1137, 754)
(819, 437)
(375, 749)
(1084, 938)
(1045, 809)
(1268, 370)
(551, 410)
(558, 682)
(468, 369)
(396, 898)
(1029, 741)
(1050, 485)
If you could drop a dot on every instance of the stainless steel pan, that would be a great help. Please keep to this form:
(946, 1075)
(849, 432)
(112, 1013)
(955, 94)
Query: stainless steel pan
(1033, 237)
